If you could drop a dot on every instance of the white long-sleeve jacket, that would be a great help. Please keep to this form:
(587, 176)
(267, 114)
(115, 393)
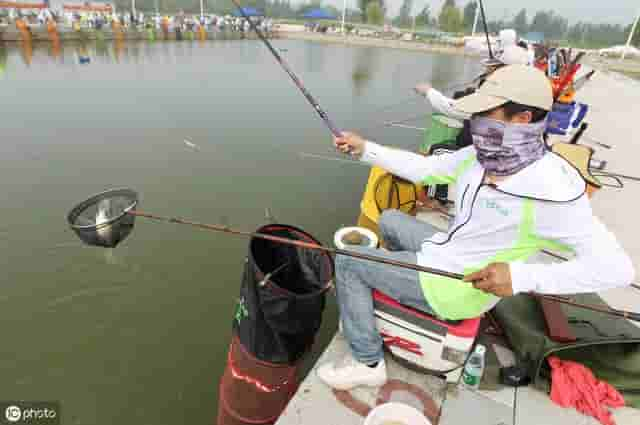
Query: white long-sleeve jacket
(444, 105)
(542, 206)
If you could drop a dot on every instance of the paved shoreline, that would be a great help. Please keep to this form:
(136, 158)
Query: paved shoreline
(628, 67)
(373, 42)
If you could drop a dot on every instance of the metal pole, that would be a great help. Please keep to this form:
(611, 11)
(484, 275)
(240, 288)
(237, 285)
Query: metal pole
(475, 21)
(344, 14)
(133, 7)
(633, 31)
(201, 10)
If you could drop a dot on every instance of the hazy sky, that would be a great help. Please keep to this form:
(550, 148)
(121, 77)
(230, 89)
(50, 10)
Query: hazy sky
(613, 11)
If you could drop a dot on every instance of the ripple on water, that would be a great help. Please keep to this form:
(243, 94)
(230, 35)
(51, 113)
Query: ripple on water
(82, 293)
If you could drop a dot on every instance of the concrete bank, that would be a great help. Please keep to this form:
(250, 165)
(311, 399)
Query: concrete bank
(629, 67)
(373, 42)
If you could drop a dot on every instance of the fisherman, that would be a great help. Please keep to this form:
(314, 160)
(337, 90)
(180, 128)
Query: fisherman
(511, 55)
(513, 199)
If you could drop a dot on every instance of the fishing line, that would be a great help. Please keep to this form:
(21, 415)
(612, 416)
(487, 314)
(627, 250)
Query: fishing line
(406, 101)
(409, 127)
(314, 103)
(405, 120)
(413, 98)
(329, 158)
(486, 29)
(416, 96)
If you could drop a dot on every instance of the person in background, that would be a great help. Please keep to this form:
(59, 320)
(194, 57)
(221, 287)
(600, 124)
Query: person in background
(511, 55)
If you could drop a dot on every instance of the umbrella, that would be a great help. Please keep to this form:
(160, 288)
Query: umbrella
(318, 14)
(249, 11)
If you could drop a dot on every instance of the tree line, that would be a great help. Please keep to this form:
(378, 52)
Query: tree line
(453, 17)
(557, 28)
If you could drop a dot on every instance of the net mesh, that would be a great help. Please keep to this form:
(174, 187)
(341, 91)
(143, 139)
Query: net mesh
(102, 220)
(253, 391)
(277, 318)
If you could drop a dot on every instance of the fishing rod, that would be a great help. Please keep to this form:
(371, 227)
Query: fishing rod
(107, 218)
(330, 158)
(376, 259)
(323, 115)
(595, 142)
(409, 127)
(399, 123)
(620, 176)
(486, 29)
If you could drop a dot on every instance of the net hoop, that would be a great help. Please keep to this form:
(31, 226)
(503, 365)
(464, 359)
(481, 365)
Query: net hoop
(78, 209)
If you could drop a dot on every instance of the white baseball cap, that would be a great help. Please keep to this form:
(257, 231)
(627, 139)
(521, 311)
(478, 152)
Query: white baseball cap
(508, 37)
(514, 55)
(511, 55)
(521, 84)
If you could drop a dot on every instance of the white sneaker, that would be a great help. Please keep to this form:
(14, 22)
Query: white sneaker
(350, 373)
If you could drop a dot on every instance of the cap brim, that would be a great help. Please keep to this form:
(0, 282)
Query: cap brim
(492, 62)
(478, 102)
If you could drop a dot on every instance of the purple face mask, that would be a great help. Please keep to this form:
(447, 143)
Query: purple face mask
(503, 148)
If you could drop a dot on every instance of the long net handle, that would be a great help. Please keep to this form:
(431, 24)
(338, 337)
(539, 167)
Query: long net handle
(296, 80)
(301, 244)
(217, 228)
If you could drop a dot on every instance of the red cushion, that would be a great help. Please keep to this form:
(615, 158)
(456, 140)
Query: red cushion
(467, 328)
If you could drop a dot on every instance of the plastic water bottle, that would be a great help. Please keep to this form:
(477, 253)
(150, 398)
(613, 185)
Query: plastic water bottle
(474, 368)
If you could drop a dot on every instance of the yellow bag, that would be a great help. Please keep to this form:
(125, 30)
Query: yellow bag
(385, 191)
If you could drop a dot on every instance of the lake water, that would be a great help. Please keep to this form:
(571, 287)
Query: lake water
(138, 335)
